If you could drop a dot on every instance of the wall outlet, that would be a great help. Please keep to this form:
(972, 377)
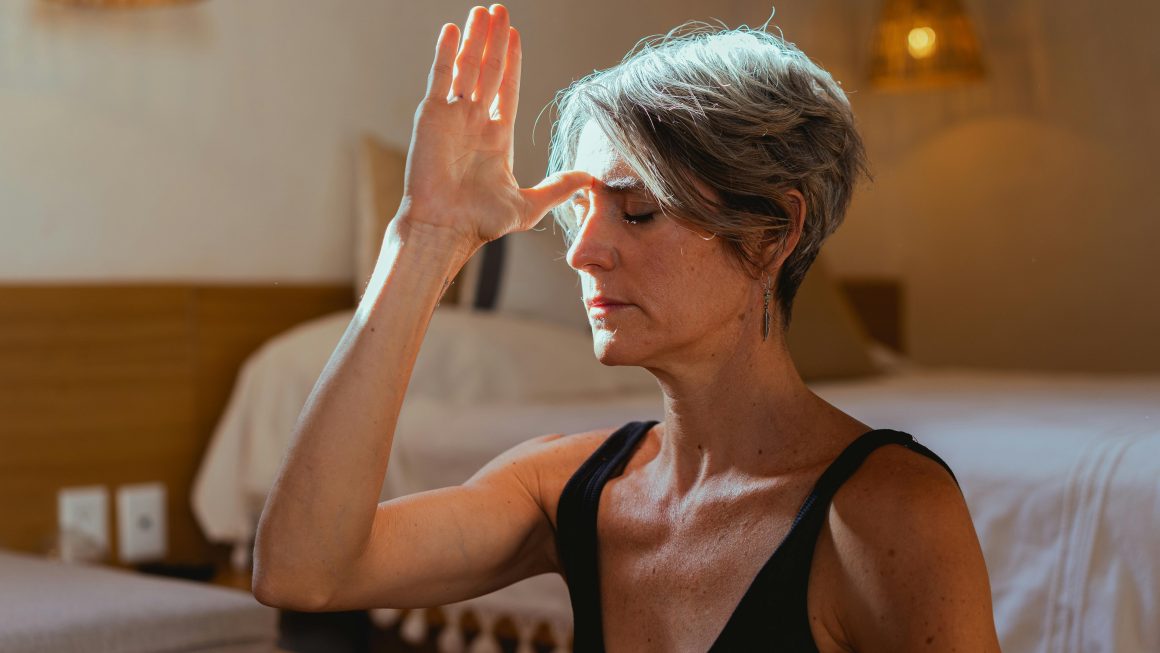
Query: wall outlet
(83, 521)
(141, 525)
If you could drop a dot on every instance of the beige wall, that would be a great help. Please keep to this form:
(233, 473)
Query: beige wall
(215, 142)
(1020, 212)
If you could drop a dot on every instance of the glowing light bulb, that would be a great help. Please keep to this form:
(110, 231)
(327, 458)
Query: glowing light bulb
(920, 42)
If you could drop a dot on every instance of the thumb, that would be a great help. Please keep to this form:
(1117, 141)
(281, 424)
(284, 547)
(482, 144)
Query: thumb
(553, 190)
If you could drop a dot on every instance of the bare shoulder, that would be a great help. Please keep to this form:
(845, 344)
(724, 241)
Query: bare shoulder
(905, 554)
(545, 463)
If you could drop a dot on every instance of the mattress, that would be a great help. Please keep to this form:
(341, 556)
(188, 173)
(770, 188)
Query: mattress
(55, 607)
(1061, 473)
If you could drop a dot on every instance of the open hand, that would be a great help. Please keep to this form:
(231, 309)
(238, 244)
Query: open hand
(459, 167)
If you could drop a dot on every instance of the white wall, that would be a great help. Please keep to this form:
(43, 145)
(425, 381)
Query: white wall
(215, 142)
(1020, 212)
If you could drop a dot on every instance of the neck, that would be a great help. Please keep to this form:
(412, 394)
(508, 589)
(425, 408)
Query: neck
(744, 415)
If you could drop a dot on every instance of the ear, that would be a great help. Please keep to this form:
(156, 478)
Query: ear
(776, 255)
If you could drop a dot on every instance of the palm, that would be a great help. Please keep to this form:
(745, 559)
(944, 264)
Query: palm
(459, 168)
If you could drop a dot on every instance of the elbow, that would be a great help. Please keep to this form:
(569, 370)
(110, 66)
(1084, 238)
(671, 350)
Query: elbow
(291, 580)
(279, 582)
(287, 592)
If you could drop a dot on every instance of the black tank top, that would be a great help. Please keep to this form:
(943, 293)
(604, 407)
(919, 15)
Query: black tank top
(772, 614)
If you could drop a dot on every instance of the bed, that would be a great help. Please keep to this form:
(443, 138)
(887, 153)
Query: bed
(1061, 472)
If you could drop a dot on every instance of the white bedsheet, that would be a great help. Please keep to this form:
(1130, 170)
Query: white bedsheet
(1061, 473)
(1062, 476)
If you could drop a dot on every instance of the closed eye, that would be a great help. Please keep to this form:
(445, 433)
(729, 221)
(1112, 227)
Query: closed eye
(579, 201)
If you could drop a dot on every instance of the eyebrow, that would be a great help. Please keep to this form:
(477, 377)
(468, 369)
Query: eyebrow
(624, 184)
(618, 185)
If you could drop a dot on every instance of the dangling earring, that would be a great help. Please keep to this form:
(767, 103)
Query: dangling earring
(765, 317)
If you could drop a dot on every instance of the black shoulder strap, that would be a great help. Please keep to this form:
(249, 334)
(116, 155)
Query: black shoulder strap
(775, 605)
(852, 458)
(576, 531)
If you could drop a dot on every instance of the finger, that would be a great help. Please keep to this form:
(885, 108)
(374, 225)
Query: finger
(439, 80)
(493, 57)
(509, 91)
(554, 190)
(470, 53)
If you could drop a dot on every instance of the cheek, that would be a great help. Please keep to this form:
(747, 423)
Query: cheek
(694, 289)
(689, 279)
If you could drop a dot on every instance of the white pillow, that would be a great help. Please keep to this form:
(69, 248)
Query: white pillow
(378, 190)
(466, 357)
(471, 356)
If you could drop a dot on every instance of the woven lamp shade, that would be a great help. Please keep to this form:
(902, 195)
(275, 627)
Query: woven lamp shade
(118, 4)
(924, 43)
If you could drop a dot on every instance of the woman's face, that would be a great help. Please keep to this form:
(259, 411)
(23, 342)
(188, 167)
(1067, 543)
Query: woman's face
(683, 298)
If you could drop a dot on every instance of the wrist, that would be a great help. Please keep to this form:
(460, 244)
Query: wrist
(419, 256)
(415, 231)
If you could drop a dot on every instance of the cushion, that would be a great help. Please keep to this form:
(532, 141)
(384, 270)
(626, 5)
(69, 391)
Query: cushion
(379, 187)
(467, 356)
(470, 356)
(825, 339)
(521, 274)
(530, 278)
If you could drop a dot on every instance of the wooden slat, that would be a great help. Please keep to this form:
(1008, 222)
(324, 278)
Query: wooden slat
(116, 384)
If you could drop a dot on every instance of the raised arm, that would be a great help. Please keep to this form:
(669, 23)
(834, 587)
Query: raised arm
(322, 526)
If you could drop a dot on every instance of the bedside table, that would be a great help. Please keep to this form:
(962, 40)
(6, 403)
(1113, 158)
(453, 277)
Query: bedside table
(227, 577)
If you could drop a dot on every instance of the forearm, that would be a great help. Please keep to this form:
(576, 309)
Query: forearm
(319, 513)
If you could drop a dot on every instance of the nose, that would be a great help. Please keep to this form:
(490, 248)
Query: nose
(594, 243)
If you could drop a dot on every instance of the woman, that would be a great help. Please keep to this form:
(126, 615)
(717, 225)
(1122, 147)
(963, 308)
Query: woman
(697, 185)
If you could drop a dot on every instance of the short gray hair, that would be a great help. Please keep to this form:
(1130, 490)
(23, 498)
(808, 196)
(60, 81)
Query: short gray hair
(743, 112)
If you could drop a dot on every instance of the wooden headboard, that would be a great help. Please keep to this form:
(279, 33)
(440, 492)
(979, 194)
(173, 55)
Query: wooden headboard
(117, 384)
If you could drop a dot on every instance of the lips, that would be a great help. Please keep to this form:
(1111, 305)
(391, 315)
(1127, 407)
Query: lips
(603, 301)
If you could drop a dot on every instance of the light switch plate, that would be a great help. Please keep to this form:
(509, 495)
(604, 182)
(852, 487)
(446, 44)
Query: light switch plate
(141, 523)
(83, 521)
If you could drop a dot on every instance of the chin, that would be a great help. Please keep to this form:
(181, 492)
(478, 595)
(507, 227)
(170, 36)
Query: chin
(613, 349)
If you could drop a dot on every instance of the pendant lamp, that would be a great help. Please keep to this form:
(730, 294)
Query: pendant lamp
(924, 43)
(117, 4)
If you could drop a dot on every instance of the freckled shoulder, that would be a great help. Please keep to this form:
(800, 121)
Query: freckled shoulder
(542, 466)
(553, 459)
(901, 561)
